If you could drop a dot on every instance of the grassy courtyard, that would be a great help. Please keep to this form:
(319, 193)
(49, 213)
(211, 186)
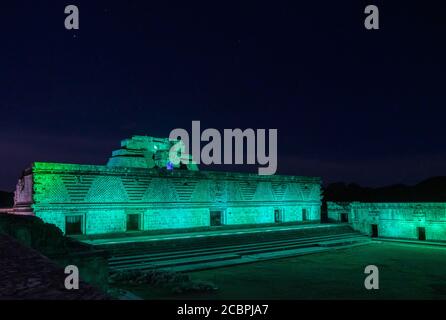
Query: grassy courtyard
(406, 272)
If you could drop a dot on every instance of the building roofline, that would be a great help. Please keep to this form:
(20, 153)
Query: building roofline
(92, 169)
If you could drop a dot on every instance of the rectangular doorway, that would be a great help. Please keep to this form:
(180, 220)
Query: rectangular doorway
(216, 218)
(304, 215)
(374, 230)
(344, 217)
(133, 222)
(277, 216)
(421, 231)
(74, 225)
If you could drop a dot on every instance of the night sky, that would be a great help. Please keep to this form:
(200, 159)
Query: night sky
(350, 104)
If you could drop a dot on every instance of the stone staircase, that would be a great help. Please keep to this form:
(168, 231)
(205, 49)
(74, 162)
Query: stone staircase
(223, 250)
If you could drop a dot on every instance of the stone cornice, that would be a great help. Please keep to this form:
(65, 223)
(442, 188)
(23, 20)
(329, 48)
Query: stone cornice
(59, 168)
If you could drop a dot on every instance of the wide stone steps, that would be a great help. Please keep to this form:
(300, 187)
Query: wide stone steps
(225, 248)
(204, 240)
(205, 258)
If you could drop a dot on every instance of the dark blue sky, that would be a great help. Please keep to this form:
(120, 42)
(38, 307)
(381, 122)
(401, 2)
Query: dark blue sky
(350, 104)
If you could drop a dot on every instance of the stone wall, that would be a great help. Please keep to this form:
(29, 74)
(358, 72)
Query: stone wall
(175, 218)
(28, 275)
(335, 210)
(105, 196)
(48, 240)
(23, 195)
(400, 220)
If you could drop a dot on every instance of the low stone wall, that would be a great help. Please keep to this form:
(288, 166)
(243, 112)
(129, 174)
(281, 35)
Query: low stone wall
(47, 239)
(406, 220)
(92, 265)
(417, 220)
(28, 275)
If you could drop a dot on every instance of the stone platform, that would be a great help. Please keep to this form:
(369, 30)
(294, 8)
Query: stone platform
(220, 248)
(104, 240)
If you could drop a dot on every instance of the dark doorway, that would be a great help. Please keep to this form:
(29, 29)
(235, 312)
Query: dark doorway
(374, 231)
(304, 215)
(421, 233)
(216, 218)
(344, 217)
(133, 222)
(277, 216)
(73, 225)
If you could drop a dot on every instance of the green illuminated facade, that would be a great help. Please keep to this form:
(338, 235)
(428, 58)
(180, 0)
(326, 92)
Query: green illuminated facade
(136, 191)
(411, 220)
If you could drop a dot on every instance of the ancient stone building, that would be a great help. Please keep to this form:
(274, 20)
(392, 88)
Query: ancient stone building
(338, 211)
(139, 189)
(411, 220)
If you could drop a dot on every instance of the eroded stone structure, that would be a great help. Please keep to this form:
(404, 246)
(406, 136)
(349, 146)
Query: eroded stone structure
(411, 220)
(140, 190)
(338, 211)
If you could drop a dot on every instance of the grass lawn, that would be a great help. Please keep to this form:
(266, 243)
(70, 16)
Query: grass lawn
(406, 272)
